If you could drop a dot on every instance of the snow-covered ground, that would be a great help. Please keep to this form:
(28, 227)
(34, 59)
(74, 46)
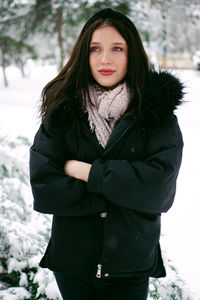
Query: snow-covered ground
(19, 102)
(180, 239)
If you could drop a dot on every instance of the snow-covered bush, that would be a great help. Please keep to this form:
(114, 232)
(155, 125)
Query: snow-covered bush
(171, 287)
(24, 235)
(23, 232)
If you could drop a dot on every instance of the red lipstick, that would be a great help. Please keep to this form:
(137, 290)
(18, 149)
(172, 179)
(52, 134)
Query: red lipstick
(106, 72)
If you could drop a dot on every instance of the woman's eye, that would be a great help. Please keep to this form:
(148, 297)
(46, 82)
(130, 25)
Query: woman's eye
(94, 49)
(117, 49)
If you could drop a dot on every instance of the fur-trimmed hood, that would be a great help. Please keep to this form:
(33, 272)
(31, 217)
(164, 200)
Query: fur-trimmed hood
(162, 95)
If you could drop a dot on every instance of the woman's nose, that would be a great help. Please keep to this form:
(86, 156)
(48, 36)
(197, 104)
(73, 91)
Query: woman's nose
(105, 57)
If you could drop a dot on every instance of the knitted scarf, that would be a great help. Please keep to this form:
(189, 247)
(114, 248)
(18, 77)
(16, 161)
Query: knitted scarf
(105, 109)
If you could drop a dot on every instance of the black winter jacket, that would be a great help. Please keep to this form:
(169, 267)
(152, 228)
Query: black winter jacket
(113, 220)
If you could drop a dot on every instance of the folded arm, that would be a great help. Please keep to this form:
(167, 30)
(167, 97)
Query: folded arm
(147, 186)
(54, 191)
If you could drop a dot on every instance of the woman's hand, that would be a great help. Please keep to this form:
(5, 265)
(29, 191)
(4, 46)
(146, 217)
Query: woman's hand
(77, 169)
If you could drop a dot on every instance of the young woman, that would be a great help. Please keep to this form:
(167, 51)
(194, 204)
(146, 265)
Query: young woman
(105, 161)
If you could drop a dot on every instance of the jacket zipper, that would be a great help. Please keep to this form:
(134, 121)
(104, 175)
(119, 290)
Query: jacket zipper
(99, 267)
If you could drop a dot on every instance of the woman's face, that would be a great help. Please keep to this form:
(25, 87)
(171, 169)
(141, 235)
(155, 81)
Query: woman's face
(108, 56)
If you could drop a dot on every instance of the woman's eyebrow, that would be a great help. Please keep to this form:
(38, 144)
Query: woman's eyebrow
(119, 43)
(115, 43)
(95, 43)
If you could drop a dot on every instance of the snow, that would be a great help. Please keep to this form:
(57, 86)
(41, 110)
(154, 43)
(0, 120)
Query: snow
(19, 121)
(19, 104)
(17, 293)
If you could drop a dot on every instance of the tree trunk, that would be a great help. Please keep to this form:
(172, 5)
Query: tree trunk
(4, 76)
(164, 40)
(4, 70)
(60, 38)
(21, 67)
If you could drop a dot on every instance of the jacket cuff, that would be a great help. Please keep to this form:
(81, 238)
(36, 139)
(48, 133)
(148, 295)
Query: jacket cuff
(95, 179)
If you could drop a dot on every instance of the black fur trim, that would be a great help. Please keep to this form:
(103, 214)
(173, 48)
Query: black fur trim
(162, 95)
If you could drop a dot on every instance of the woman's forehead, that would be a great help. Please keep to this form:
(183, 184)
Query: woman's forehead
(107, 33)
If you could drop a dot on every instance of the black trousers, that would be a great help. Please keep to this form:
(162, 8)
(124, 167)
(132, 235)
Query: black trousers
(72, 288)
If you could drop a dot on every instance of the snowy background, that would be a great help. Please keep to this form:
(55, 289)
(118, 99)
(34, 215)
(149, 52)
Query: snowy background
(180, 227)
(182, 223)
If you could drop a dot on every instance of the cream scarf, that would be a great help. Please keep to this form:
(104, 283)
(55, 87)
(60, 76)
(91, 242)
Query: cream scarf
(106, 108)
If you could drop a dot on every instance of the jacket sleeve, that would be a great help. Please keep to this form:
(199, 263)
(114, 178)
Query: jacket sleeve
(53, 191)
(147, 186)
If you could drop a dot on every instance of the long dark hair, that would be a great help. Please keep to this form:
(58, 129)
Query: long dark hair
(69, 88)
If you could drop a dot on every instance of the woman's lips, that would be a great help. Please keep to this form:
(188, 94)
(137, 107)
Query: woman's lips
(106, 72)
